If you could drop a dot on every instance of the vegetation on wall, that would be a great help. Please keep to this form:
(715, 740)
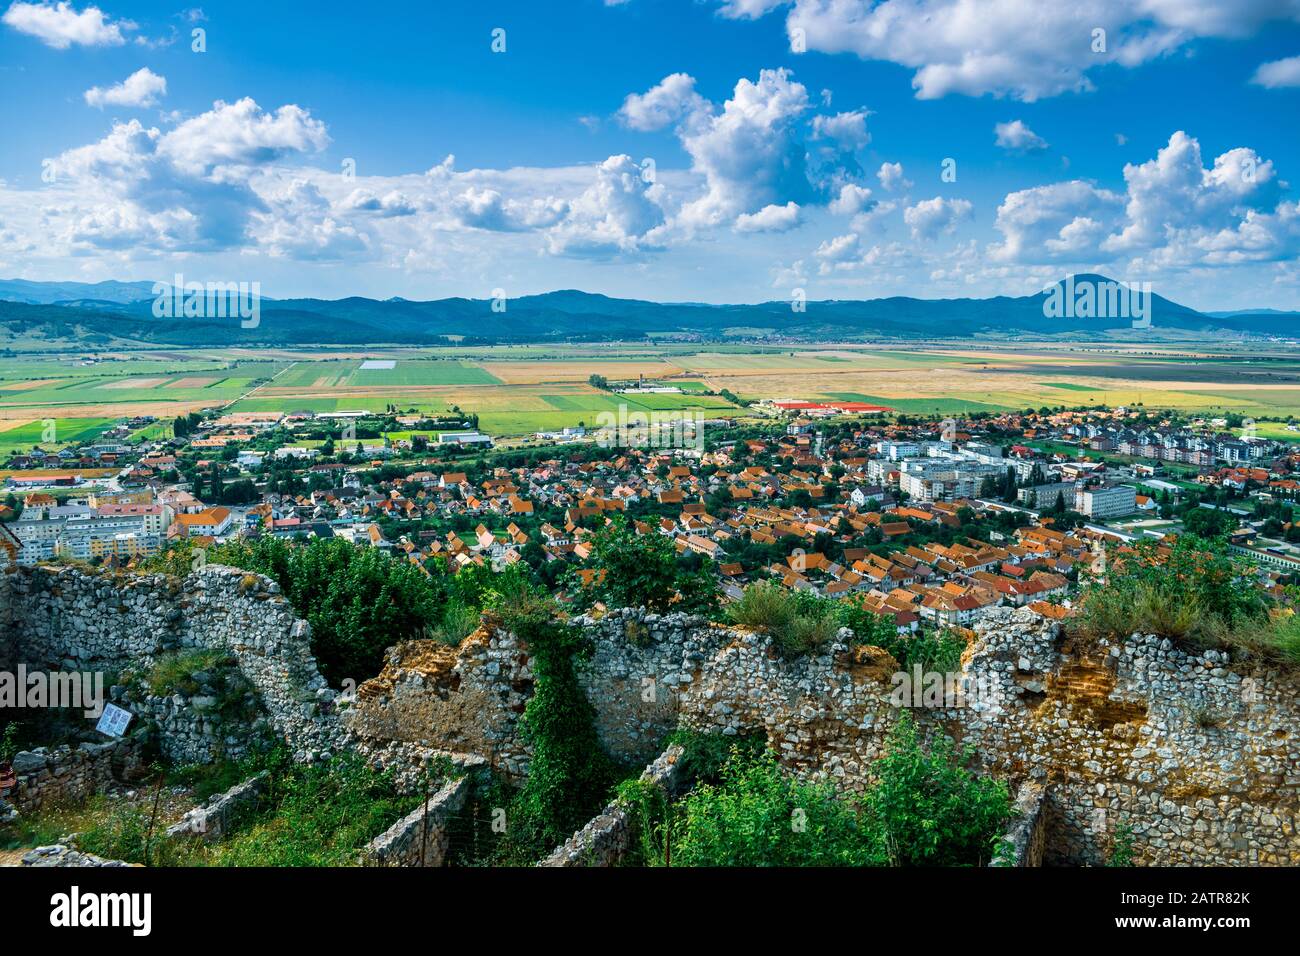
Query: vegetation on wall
(925, 810)
(359, 601)
(1193, 593)
(569, 775)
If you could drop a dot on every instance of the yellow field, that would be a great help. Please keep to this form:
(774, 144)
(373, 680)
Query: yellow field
(519, 389)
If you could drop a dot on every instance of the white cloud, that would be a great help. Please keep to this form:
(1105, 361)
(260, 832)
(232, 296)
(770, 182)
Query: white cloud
(60, 26)
(749, 9)
(847, 129)
(190, 188)
(891, 177)
(750, 154)
(141, 89)
(1062, 221)
(669, 101)
(1173, 192)
(618, 212)
(931, 217)
(974, 47)
(489, 209)
(1278, 73)
(770, 219)
(298, 223)
(242, 134)
(390, 204)
(851, 200)
(1017, 136)
(839, 248)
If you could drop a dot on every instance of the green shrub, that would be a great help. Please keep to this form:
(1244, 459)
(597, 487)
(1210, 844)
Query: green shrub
(570, 775)
(759, 815)
(172, 672)
(359, 601)
(1195, 595)
(927, 810)
(799, 622)
(459, 621)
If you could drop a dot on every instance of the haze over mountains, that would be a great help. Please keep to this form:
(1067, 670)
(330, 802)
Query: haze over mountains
(72, 313)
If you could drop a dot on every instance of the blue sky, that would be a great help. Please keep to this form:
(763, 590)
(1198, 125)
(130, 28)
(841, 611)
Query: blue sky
(667, 149)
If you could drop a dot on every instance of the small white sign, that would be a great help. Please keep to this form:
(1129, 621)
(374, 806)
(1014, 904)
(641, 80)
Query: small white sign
(113, 721)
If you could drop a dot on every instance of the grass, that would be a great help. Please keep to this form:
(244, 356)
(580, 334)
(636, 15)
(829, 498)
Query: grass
(66, 431)
(313, 816)
(798, 623)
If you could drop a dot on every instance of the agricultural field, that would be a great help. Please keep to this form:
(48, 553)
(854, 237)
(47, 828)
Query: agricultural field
(17, 435)
(519, 389)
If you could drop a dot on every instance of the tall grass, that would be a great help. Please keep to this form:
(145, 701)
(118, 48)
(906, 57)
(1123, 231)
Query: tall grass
(798, 622)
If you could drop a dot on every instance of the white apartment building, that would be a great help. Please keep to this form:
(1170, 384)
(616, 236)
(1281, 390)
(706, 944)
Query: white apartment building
(1102, 503)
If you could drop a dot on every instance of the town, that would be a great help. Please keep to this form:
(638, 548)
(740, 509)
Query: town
(928, 522)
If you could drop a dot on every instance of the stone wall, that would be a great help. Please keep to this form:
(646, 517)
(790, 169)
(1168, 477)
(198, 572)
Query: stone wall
(421, 838)
(1196, 755)
(65, 775)
(605, 840)
(1025, 841)
(223, 811)
(67, 618)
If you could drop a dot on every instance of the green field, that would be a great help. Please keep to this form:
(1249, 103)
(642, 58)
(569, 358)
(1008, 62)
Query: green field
(66, 431)
(528, 388)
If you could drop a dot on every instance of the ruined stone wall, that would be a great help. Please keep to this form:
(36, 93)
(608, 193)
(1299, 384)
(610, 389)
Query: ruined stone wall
(1196, 755)
(65, 775)
(606, 838)
(66, 618)
(422, 837)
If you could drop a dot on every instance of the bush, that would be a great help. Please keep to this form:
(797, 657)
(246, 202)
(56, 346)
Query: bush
(926, 810)
(172, 672)
(759, 815)
(798, 622)
(1192, 594)
(359, 601)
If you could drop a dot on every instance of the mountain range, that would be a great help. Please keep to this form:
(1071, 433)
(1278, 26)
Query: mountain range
(122, 313)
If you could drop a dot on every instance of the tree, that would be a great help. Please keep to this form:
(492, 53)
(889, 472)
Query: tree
(1208, 523)
(640, 570)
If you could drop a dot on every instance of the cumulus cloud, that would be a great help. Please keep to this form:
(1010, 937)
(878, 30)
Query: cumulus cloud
(1174, 192)
(141, 89)
(1278, 73)
(189, 188)
(489, 209)
(664, 104)
(619, 212)
(392, 203)
(1174, 213)
(1017, 136)
(750, 154)
(849, 130)
(852, 199)
(891, 177)
(770, 219)
(748, 9)
(932, 217)
(974, 47)
(242, 134)
(60, 26)
(297, 222)
(1062, 221)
